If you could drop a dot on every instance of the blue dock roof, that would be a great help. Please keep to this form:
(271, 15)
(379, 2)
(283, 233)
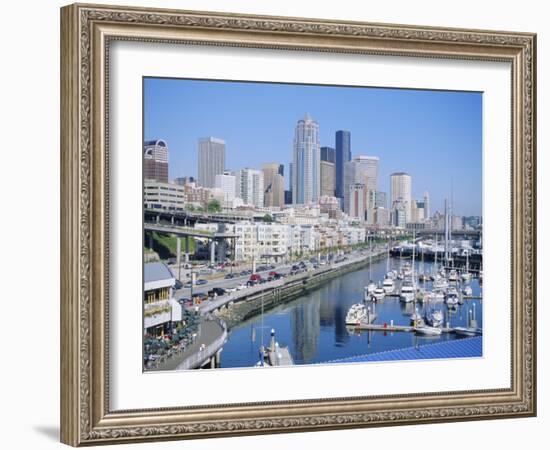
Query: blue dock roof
(458, 348)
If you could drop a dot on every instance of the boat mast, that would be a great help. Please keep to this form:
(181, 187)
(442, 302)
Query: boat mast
(414, 247)
(388, 258)
(370, 257)
(435, 262)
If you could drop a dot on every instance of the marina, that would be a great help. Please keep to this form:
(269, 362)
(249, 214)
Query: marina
(317, 327)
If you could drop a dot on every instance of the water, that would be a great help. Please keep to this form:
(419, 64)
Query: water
(313, 326)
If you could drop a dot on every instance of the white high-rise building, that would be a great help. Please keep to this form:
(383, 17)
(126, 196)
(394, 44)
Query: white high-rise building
(211, 159)
(250, 186)
(227, 184)
(306, 173)
(426, 205)
(401, 188)
(360, 170)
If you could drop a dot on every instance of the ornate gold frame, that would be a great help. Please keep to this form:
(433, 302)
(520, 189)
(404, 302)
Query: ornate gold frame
(86, 31)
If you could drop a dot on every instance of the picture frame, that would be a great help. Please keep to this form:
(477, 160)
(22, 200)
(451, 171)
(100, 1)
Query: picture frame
(87, 32)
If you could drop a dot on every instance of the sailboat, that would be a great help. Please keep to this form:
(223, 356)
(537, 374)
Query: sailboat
(369, 289)
(422, 275)
(467, 276)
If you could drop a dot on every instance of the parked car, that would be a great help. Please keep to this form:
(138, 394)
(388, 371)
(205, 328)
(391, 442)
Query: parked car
(255, 278)
(229, 276)
(178, 284)
(231, 289)
(241, 286)
(273, 275)
(199, 297)
(185, 300)
(201, 281)
(216, 291)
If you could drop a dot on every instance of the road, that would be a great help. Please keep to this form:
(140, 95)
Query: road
(282, 268)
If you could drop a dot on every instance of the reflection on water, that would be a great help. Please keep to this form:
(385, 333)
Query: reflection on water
(314, 329)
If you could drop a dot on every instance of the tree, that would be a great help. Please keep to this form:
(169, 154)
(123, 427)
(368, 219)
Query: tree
(267, 218)
(214, 206)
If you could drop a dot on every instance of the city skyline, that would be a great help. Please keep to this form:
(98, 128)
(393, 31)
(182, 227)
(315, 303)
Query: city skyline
(442, 130)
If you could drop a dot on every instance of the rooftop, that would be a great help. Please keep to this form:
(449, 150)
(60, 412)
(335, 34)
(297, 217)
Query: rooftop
(458, 348)
(156, 271)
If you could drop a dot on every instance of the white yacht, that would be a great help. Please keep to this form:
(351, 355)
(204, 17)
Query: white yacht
(467, 290)
(435, 318)
(428, 331)
(378, 294)
(356, 314)
(407, 292)
(453, 276)
(388, 285)
(370, 287)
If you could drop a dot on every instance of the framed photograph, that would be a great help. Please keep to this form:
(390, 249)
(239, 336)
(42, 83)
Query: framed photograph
(276, 224)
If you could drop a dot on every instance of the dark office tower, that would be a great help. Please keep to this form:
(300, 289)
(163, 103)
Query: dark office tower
(328, 154)
(343, 155)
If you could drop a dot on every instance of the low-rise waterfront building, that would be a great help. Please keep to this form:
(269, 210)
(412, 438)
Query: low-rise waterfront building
(160, 310)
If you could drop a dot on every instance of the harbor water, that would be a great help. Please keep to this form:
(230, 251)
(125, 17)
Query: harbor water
(313, 326)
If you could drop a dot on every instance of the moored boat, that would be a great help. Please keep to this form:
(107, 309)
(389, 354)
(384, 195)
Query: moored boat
(378, 294)
(388, 285)
(356, 313)
(428, 331)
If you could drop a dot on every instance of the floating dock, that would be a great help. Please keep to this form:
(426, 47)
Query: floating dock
(396, 328)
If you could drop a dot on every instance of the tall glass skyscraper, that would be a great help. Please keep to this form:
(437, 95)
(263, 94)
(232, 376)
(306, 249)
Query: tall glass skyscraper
(211, 160)
(328, 154)
(343, 155)
(306, 169)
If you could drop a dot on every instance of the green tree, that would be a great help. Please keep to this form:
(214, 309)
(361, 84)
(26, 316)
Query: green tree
(267, 218)
(214, 206)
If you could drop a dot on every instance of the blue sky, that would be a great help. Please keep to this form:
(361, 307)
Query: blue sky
(435, 136)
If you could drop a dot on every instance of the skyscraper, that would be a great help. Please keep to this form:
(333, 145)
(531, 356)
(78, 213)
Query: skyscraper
(328, 178)
(211, 160)
(401, 188)
(328, 154)
(343, 155)
(306, 176)
(155, 161)
(360, 170)
(250, 186)
(426, 205)
(274, 184)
